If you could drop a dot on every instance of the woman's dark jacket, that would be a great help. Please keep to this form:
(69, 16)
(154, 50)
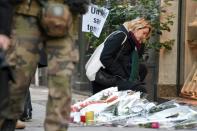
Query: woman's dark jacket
(112, 46)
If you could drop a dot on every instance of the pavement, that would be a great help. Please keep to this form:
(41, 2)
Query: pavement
(39, 99)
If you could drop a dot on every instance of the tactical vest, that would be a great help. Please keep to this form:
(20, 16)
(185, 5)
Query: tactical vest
(31, 7)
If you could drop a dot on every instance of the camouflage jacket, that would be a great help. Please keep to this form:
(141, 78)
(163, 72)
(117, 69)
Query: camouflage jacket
(31, 7)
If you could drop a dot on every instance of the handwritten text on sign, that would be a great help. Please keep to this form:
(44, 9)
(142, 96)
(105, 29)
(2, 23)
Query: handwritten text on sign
(93, 21)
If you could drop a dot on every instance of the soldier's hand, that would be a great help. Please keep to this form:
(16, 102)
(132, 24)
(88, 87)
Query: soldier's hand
(4, 42)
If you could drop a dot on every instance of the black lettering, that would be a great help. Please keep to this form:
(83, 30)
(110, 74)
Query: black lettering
(93, 10)
(91, 28)
(97, 21)
(96, 11)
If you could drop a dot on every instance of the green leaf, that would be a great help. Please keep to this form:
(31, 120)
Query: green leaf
(123, 11)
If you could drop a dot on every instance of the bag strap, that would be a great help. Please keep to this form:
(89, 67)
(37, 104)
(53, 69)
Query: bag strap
(113, 33)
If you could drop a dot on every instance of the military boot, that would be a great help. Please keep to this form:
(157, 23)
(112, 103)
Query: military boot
(8, 125)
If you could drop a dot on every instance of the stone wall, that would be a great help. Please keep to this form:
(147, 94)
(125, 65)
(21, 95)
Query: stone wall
(168, 59)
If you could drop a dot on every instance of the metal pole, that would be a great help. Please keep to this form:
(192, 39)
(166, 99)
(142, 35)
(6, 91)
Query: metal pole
(180, 46)
(82, 82)
(82, 45)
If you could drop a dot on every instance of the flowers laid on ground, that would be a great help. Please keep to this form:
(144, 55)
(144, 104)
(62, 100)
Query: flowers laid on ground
(128, 108)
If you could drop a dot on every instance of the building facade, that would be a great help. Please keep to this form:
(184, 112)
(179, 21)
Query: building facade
(177, 68)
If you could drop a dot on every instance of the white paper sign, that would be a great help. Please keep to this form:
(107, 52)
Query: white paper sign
(93, 21)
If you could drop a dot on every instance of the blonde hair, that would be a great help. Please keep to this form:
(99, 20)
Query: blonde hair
(136, 24)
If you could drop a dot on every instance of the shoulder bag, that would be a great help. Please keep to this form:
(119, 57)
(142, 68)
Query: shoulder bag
(104, 78)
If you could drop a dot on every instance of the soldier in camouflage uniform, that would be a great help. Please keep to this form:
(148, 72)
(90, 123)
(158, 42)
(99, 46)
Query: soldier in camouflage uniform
(27, 36)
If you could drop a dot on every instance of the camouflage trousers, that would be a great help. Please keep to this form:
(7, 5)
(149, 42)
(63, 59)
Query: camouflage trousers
(24, 55)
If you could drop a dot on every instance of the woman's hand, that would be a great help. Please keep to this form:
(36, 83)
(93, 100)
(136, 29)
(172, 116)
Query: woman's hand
(4, 42)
